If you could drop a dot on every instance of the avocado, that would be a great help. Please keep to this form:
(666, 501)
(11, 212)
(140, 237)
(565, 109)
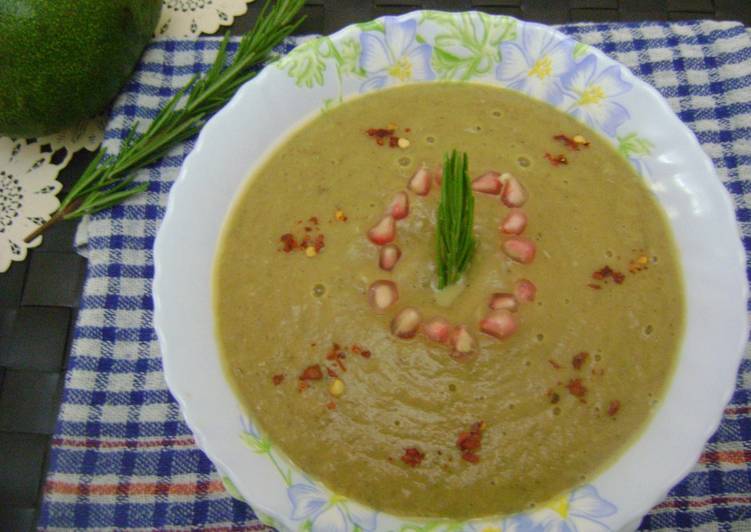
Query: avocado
(62, 61)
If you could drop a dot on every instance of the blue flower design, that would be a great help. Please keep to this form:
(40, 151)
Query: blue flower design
(249, 427)
(328, 513)
(535, 65)
(394, 56)
(593, 94)
(578, 511)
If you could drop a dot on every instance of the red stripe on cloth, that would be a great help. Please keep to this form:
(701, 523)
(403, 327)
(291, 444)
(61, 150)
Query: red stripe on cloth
(118, 444)
(729, 457)
(134, 488)
(735, 410)
(710, 501)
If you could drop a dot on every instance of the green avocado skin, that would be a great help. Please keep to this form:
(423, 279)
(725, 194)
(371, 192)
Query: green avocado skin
(62, 61)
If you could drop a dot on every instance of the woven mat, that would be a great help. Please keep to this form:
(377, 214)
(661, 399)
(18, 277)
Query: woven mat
(122, 457)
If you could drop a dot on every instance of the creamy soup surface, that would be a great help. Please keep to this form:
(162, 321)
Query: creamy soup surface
(551, 405)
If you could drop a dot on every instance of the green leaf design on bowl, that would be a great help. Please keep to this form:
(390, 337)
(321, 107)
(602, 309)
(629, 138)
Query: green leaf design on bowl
(468, 45)
(632, 145)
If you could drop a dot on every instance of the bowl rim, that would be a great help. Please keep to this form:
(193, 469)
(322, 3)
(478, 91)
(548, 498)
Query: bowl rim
(212, 128)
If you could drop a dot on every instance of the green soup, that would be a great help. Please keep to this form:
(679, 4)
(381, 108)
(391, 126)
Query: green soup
(553, 404)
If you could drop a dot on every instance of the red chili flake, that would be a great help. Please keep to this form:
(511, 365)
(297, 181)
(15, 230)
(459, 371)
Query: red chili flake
(381, 135)
(380, 132)
(302, 385)
(579, 359)
(412, 456)
(553, 363)
(556, 160)
(331, 405)
(319, 243)
(568, 141)
(577, 389)
(594, 286)
(312, 373)
(289, 242)
(470, 457)
(470, 441)
(360, 351)
(614, 407)
(607, 272)
(332, 373)
(333, 353)
(337, 355)
(602, 273)
(407, 130)
(277, 379)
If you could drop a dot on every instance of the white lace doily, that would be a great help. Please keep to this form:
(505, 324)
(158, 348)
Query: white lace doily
(29, 186)
(189, 18)
(88, 136)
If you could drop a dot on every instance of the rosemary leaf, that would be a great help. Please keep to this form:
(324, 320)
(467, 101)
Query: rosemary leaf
(455, 241)
(108, 180)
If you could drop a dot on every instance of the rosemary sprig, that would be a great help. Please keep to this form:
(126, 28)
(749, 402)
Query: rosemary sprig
(108, 180)
(455, 241)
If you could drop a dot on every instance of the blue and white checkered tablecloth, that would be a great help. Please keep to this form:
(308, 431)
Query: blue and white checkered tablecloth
(122, 457)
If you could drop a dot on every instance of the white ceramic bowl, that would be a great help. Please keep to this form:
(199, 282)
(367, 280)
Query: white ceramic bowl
(477, 48)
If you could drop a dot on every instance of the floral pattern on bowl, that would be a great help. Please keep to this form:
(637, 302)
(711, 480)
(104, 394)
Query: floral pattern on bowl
(426, 46)
(525, 57)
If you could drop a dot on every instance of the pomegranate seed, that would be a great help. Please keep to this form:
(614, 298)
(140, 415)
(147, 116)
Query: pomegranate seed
(382, 294)
(488, 183)
(438, 175)
(437, 330)
(384, 231)
(514, 194)
(399, 207)
(499, 323)
(520, 249)
(406, 323)
(463, 343)
(420, 182)
(503, 301)
(525, 290)
(388, 256)
(514, 223)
